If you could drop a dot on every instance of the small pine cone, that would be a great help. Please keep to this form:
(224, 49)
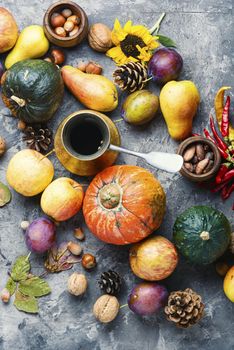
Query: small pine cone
(38, 138)
(185, 308)
(110, 282)
(131, 76)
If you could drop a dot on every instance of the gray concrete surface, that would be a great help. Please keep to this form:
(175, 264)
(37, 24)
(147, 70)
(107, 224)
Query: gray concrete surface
(204, 33)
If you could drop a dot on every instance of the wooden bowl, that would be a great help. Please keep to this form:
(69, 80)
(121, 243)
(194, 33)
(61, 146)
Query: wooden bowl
(217, 158)
(67, 41)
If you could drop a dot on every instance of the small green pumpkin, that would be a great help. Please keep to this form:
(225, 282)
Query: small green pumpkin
(33, 90)
(202, 234)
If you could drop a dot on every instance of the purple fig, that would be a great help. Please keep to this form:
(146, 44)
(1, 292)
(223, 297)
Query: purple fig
(40, 235)
(165, 65)
(147, 298)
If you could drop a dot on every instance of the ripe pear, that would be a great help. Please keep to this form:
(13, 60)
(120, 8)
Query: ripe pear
(94, 91)
(140, 107)
(179, 101)
(31, 43)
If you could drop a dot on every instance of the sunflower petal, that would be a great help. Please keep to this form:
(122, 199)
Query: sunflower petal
(117, 55)
(127, 27)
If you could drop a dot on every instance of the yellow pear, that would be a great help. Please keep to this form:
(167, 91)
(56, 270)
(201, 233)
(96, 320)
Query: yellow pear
(31, 43)
(179, 101)
(94, 91)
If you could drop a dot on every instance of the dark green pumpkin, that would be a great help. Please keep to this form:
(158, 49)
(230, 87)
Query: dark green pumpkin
(202, 234)
(33, 90)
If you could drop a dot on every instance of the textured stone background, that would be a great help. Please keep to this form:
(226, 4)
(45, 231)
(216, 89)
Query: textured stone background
(204, 33)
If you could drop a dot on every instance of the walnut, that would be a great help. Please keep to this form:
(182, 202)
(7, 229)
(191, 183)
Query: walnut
(77, 284)
(106, 308)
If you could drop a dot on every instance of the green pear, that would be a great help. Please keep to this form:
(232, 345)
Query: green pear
(179, 101)
(140, 107)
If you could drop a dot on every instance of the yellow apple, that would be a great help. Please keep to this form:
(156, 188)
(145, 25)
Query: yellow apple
(62, 199)
(29, 172)
(228, 284)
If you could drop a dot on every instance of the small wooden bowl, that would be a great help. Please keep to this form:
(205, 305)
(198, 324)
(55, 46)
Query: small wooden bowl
(217, 158)
(67, 41)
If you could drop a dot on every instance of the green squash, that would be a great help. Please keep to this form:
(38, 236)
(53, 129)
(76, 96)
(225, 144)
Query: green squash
(202, 234)
(33, 90)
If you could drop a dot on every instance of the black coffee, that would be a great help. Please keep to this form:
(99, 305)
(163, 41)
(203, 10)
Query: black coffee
(86, 138)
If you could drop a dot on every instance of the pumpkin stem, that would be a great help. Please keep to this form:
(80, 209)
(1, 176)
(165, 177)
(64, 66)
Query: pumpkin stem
(110, 196)
(205, 235)
(20, 101)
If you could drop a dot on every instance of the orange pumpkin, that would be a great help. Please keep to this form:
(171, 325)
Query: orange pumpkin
(124, 204)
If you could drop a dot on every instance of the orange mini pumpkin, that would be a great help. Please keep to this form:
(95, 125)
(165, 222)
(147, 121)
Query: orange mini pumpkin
(124, 204)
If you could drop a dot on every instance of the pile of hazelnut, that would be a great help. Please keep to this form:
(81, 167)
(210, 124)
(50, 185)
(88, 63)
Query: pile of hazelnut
(65, 23)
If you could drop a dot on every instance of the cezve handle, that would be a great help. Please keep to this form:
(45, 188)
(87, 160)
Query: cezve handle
(169, 162)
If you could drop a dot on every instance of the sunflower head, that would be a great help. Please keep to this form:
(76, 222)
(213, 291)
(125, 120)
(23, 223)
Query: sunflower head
(132, 43)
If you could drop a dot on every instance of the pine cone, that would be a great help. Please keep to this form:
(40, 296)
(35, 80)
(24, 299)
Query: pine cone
(131, 76)
(185, 308)
(110, 282)
(38, 138)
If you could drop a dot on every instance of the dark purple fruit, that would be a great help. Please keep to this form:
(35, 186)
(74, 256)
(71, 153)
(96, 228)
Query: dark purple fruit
(1, 71)
(40, 235)
(146, 298)
(165, 65)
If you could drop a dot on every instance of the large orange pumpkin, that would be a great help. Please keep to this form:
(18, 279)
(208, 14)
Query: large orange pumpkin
(124, 204)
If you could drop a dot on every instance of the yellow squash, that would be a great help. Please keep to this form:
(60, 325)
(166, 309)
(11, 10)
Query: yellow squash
(94, 91)
(31, 43)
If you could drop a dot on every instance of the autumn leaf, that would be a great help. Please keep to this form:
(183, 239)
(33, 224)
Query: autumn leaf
(26, 303)
(34, 286)
(20, 268)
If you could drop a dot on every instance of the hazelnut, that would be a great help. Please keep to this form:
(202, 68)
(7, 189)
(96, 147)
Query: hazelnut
(2, 146)
(74, 248)
(74, 19)
(93, 68)
(57, 56)
(88, 261)
(60, 31)
(79, 234)
(5, 295)
(66, 13)
(57, 20)
(77, 284)
(24, 225)
(99, 37)
(74, 31)
(106, 308)
(82, 66)
(68, 26)
(21, 125)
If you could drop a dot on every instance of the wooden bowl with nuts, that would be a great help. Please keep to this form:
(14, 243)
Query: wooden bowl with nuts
(65, 24)
(201, 158)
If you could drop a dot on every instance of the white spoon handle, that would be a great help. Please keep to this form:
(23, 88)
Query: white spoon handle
(165, 161)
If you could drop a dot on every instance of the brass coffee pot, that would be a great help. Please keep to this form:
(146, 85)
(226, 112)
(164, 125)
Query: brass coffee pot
(81, 164)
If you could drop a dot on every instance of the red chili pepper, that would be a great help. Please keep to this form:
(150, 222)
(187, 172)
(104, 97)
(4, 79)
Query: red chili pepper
(222, 171)
(194, 134)
(229, 175)
(220, 186)
(225, 118)
(220, 142)
(228, 191)
(208, 136)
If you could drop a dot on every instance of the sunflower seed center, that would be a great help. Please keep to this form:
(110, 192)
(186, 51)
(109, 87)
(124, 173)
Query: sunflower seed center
(128, 45)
